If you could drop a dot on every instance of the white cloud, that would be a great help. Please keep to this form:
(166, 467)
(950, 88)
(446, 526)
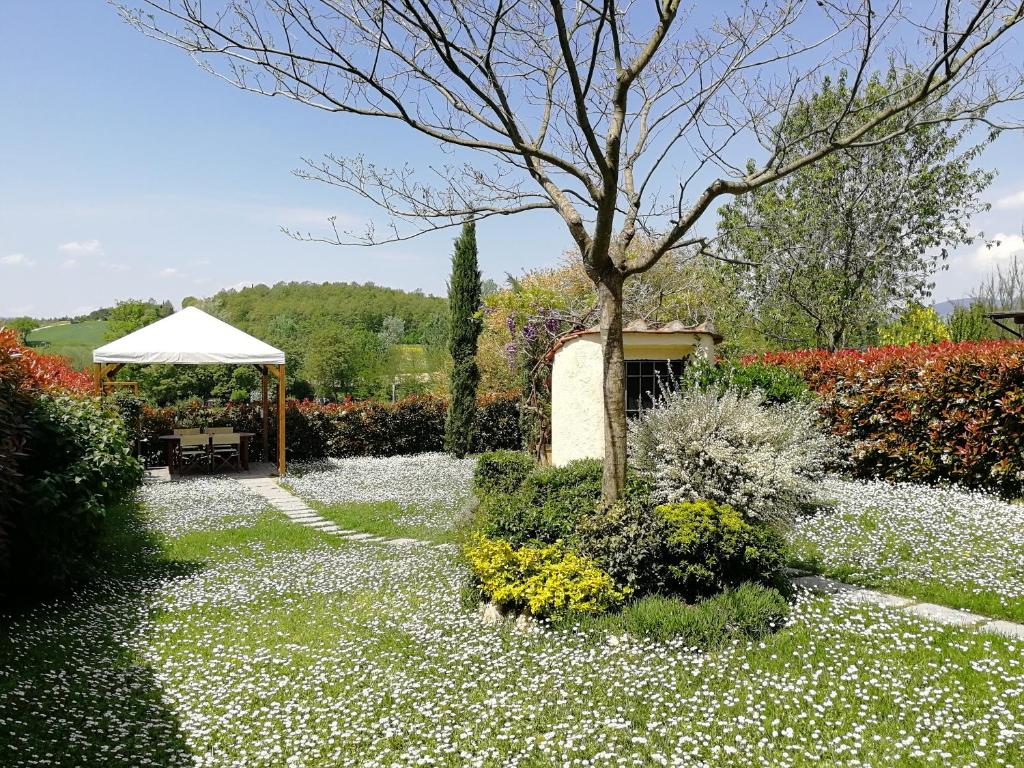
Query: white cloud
(111, 266)
(1011, 202)
(170, 272)
(1002, 247)
(69, 264)
(17, 260)
(82, 247)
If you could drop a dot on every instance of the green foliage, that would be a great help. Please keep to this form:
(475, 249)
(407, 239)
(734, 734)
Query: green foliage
(970, 324)
(629, 540)
(777, 383)
(77, 463)
(749, 612)
(129, 316)
(548, 581)
(547, 506)
(712, 547)
(16, 403)
(344, 361)
(23, 325)
(463, 332)
(916, 325)
(502, 472)
(842, 241)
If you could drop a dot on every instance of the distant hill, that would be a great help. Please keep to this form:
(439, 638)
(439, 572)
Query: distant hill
(263, 310)
(945, 308)
(75, 341)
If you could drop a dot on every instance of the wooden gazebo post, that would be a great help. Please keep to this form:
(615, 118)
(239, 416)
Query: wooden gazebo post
(280, 420)
(264, 387)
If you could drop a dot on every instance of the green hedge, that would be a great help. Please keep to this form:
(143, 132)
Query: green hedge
(78, 463)
(316, 431)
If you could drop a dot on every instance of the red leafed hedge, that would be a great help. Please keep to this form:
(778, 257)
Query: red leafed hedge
(925, 413)
(46, 372)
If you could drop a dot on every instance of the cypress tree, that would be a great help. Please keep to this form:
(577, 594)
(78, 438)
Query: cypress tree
(463, 331)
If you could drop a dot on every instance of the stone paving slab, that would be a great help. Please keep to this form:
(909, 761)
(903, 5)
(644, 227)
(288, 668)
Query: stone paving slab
(298, 511)
(938, 613)
(1007, 628)
(944, 615)
(879, 598)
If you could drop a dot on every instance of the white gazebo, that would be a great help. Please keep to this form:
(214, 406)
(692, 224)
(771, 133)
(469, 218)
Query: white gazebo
(193, 337)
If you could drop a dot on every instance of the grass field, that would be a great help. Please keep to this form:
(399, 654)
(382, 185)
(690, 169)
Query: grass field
(239, 638)
(75, 341)
(958, 548)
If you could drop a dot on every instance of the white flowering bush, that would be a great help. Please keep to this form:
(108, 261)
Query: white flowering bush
(728, 446)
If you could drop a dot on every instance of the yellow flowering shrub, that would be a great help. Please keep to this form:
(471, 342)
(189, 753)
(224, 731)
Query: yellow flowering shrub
(545, 581)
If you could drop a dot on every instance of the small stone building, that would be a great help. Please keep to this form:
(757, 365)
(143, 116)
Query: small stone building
(653, 353)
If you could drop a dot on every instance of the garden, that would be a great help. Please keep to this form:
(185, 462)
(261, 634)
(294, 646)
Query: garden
(528, 625)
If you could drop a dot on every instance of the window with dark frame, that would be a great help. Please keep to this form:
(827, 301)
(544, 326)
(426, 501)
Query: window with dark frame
(645, 380)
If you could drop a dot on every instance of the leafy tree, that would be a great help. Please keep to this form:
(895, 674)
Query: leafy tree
(917, 325)
(840, 244)
(464, 330)
(342, 361)
(623, 120)
(23, 325)
(970, 324)
(129, 316)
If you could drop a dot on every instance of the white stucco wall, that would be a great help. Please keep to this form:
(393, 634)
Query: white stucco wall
(577, 419)
(577, 422)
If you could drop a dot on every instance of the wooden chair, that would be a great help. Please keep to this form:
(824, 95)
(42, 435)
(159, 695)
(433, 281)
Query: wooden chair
(194, 452)
(226, 450)
(187, 430)
(218, 430)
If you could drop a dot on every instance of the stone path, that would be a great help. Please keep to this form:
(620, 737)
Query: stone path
(938, 613)
(300, 512)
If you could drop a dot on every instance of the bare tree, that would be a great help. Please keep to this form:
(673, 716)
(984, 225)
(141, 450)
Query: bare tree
(624, 118)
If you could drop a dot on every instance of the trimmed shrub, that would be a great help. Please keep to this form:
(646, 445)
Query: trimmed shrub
(728, 447)
(497, 422)
(629, 540)
(545, 581)
(78, 463)
(749, 612)
(502, 471)
(946, 412)
(547, 506)
(711, 547)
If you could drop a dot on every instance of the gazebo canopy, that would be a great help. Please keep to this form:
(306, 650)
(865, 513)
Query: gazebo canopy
(189, 337)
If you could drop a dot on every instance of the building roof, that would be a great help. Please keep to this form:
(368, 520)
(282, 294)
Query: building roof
(189, 337)
(706, 328)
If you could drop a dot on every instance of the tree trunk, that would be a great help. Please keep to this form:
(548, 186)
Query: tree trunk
(609, 293)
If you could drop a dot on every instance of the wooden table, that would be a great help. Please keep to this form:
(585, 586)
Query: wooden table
(171, 443)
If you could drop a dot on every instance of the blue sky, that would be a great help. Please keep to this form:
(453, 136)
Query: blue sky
(129, 173)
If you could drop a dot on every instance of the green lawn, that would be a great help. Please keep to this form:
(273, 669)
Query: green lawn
(269, 644)
(941, 545)
(386, 518)
(75, 341)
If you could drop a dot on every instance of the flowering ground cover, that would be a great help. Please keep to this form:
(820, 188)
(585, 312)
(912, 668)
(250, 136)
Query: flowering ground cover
(266, 643)
(410, 496)
(958, 548)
